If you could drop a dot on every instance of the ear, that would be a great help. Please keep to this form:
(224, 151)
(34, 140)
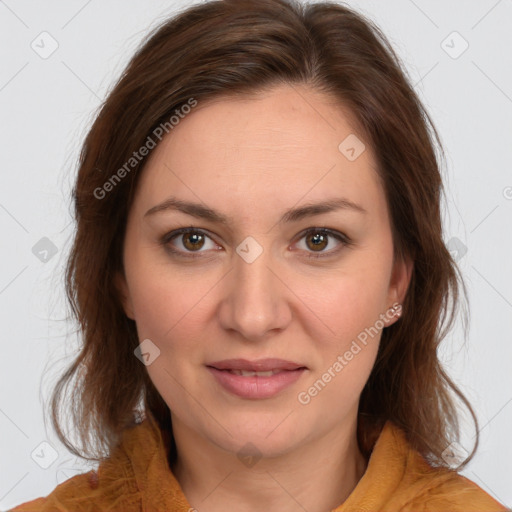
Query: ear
(399, 283)
(124, 294)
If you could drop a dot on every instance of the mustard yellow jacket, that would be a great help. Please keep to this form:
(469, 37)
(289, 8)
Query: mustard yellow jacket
(137, 478)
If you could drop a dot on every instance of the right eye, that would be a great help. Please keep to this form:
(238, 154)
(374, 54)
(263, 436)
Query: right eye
(191, 240)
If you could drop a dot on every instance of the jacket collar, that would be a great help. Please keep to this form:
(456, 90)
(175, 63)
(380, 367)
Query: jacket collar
(141, 457)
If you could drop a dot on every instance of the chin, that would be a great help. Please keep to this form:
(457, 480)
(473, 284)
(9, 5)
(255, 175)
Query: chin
(267, 439)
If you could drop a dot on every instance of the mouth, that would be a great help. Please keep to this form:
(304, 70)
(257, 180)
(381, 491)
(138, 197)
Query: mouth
(260, 379)
(261, 367)
(244, 373)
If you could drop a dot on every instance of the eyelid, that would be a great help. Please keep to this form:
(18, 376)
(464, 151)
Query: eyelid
(175, 233)
(341, 237)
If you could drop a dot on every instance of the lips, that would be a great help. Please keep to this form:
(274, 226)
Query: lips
(265, 367)
(255, 380)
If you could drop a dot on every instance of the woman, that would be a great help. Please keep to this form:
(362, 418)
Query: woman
(260, 277)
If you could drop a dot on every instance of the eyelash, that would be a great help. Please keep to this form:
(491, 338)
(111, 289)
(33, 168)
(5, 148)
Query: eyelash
(341, 237)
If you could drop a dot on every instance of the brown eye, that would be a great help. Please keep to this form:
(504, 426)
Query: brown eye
(193, 240)
(186, 241)
(317, 241)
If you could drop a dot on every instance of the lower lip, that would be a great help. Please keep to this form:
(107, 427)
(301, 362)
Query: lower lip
(256, 387)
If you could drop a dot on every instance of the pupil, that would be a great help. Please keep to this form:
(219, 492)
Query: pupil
(192, 240)
(318, 239)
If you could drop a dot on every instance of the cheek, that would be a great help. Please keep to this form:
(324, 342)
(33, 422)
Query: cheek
(350, 302)
(164, 307)
(169, 311)
(176, 303)
(351, 309)
(173, 308)
(161, 293)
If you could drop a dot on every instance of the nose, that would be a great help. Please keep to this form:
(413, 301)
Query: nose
(255, 298)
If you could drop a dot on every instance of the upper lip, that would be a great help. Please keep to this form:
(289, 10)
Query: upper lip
(259, 365)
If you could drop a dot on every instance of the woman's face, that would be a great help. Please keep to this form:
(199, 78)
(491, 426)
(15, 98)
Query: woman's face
(255, 278)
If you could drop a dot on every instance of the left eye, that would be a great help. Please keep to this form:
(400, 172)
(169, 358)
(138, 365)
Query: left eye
(317, 239)
(192, 240)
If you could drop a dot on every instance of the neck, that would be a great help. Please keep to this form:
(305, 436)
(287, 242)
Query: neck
(317, 476)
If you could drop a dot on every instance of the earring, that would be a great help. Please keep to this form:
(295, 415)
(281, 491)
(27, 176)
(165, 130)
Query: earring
(397, 310)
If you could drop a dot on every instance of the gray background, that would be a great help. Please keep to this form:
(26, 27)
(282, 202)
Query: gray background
(47, 104)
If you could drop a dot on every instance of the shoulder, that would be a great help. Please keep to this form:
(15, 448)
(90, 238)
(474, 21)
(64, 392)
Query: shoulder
(438, 489)
(114, 483)
(77, 493)
(399, 479)
(88, 492)
(444, 490)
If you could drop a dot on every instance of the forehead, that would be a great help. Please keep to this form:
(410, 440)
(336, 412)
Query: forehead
(272, 149)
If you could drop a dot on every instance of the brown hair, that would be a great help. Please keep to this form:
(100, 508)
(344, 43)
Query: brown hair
(228, 47)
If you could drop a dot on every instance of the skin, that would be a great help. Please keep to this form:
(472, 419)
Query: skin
(251, 159)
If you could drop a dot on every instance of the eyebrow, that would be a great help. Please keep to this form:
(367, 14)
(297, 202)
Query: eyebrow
(293, 215)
